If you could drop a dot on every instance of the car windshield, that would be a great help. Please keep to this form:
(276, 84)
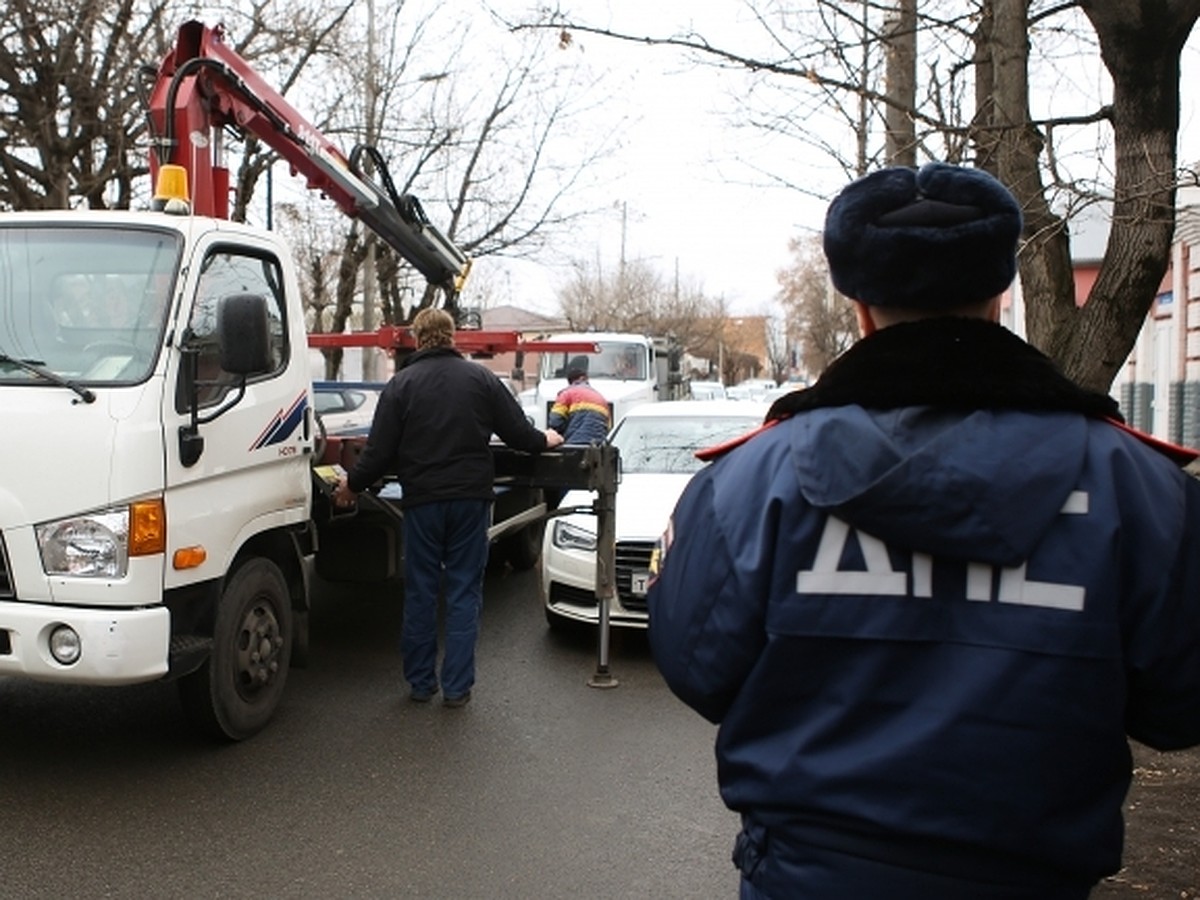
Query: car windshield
(615, 360)
(85, 304)
(662, 444)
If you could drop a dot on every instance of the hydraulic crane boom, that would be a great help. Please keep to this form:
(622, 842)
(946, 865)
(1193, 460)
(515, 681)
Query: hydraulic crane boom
(203, 87)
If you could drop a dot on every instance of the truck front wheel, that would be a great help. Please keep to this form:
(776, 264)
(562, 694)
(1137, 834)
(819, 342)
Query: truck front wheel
(234, 694)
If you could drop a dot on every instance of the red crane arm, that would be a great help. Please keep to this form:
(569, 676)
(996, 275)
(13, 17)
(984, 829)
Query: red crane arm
(203, 86)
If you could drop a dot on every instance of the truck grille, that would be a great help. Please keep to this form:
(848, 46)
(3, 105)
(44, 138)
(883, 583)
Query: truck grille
(632, 556)
(6, 585)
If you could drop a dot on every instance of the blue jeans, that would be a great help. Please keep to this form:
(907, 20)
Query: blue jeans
(445, 548)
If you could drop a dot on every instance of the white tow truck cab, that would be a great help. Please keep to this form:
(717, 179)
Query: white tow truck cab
(627, 369)
(155, 507)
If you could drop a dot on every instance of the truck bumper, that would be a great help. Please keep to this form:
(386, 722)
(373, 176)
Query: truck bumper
(118, 646)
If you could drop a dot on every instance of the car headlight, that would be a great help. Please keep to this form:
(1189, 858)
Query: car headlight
(93, 545)
(568, 536)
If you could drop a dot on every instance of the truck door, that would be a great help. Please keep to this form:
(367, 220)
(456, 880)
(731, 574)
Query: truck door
(252, 472)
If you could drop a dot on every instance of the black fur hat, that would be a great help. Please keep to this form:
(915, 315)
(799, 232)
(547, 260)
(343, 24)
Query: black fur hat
(577, 368)
(935, 238)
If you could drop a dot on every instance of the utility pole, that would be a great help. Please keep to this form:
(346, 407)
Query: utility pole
(624, 222)
(622, 285)
(370, 356)
(864, 85)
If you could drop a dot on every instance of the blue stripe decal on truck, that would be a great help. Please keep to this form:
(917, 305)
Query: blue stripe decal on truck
(284, 424)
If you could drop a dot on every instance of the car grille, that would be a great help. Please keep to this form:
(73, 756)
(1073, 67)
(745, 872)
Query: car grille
(569, 595)
(632, 556)
(6, 585)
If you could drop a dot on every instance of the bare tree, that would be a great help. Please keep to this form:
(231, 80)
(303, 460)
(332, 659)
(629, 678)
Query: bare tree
(900, 38)
(988, 45)
(465, 124)
(779, 346)
(1141, 49)
(72, 95)
(71, 121)
(475, 148)
(818, 317)
(636, 297)
(290, 47)
(307, 224)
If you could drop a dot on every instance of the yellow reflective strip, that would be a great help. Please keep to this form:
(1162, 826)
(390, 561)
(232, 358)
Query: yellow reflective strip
(591, 407)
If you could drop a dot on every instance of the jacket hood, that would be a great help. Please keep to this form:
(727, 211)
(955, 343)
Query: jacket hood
(983, 487)
(948, 436)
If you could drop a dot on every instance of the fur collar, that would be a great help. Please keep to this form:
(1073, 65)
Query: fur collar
(957, 363)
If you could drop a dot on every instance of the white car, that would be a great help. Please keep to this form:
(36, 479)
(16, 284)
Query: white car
(528, 400)
(346, 407)
(783, 390)
(707, 390)
(752, 388)
(656, 443)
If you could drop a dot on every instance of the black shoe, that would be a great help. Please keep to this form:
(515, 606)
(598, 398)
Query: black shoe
(422, 696)
(455, 702)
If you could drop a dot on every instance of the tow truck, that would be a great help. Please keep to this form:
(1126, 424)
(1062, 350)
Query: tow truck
(164, 505)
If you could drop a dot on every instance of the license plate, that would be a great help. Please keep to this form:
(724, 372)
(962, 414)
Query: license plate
(639, 582)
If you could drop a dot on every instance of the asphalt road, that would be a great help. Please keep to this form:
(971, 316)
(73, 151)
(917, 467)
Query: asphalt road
(542, 787)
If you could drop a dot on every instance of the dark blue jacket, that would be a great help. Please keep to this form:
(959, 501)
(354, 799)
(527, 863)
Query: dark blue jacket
(926, 631)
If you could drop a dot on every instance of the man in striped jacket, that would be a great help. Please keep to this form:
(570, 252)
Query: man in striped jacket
(580, 413)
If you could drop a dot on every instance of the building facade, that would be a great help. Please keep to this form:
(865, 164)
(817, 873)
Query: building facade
(1159, 385)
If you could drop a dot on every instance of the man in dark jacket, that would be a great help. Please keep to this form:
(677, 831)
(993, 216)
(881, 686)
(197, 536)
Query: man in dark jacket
(433, 428)
(928, 602)
(580, 413)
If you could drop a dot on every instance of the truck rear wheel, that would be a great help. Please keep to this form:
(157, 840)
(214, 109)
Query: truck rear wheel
(235, 692)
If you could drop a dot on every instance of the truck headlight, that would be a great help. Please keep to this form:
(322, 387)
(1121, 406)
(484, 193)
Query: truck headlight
(93, 545)
(567, 536)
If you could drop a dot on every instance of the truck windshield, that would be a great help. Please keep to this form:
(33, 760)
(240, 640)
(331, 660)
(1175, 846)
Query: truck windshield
(618, 360)
(86, 304)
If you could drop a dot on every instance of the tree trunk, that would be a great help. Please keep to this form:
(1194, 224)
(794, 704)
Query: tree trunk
(900, 39)
(1010, 147)
(1140, 43)
(346, 289)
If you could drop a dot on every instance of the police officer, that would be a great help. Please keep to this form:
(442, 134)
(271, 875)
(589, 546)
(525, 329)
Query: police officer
(929, 602)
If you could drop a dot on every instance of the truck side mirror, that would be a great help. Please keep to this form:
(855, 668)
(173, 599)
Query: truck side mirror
(243, 348)
(243, 334)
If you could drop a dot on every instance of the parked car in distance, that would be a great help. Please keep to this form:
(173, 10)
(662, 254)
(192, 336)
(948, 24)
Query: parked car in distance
(346, 407)
(750, 389)
(528, 400)
(707, 390)
(773, 394)
(656, 443)
(757, 384)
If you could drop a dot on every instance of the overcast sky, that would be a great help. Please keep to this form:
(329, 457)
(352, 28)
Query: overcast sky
(681, 191)
(690, 206)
